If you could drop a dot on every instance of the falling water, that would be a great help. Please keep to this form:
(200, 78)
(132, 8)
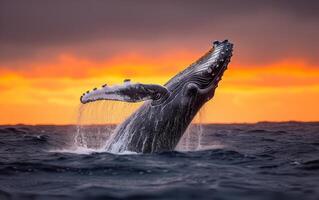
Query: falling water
(97, 121)
(192, 138)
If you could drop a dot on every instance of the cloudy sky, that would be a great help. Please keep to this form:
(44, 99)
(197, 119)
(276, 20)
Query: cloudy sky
(52, 51)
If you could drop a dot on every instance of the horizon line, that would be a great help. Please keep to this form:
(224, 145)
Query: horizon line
(204, 123)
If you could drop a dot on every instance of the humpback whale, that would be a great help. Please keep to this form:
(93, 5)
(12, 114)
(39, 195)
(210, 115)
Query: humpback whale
(161, 120)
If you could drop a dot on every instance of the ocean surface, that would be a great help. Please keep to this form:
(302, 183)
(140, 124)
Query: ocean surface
(218, 161)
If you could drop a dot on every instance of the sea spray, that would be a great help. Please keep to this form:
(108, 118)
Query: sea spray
(192, 138)
(97, 121)
(200, 131)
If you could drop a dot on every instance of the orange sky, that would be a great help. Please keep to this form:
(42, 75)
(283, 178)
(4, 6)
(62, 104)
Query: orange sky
(49, 92)
(53, 51)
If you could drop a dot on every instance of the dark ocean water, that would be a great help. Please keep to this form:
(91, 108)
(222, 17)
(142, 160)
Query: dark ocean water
(233, 161)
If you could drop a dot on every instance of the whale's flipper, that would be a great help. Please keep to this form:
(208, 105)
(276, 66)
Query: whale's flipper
(129, 92)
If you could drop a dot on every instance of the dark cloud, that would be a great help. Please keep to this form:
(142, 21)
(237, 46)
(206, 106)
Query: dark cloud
(263, 31)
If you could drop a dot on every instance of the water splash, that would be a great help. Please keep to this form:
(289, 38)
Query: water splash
(192, 138)
(119, 145)
(96, 123)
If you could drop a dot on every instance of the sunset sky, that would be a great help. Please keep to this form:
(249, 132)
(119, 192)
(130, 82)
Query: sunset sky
(53, 51)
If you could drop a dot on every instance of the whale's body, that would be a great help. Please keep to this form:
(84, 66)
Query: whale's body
(161, 121)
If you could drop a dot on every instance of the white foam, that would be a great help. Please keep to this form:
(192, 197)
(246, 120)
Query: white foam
(88, 151)
(78, 150)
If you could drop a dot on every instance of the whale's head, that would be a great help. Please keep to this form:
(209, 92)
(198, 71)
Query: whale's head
(197, 83)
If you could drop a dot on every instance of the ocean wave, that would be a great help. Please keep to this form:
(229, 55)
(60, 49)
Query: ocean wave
(235, 161)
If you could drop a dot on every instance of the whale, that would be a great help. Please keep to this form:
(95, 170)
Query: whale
(160, 122)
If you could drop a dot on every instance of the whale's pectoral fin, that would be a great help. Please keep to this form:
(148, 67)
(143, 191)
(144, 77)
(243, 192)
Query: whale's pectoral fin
(128, 92)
